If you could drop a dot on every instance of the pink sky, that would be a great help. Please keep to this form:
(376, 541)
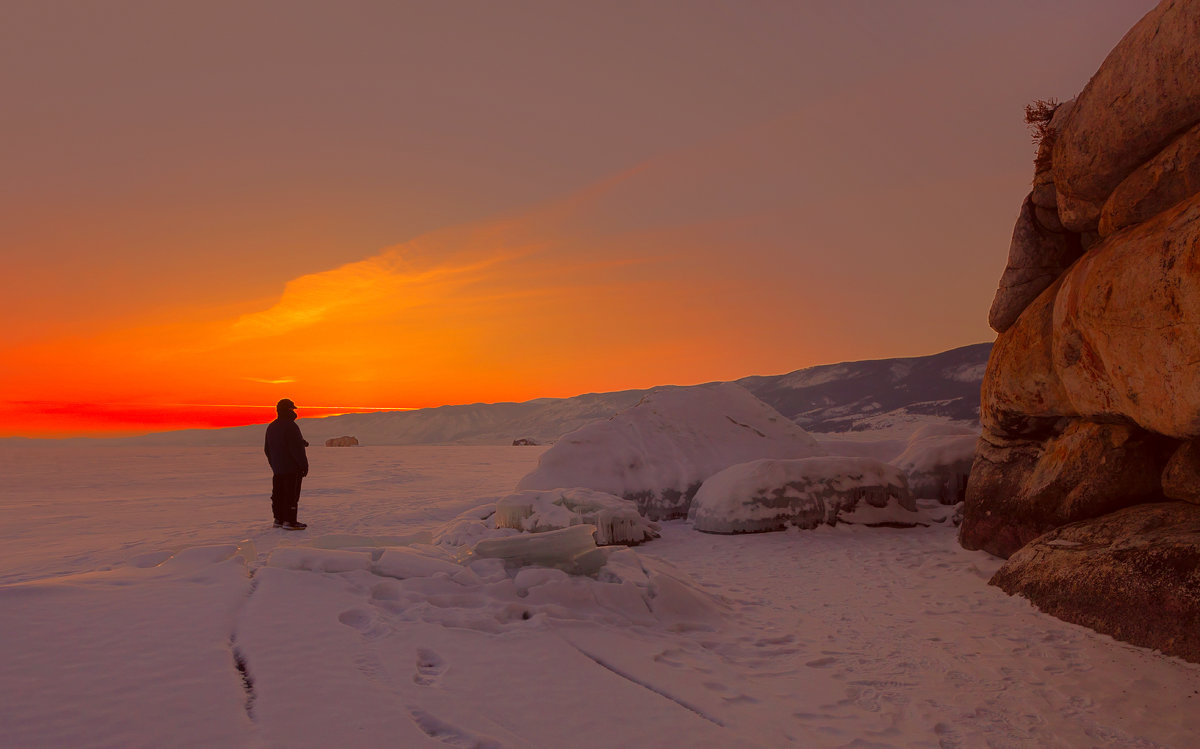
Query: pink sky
(402, 204)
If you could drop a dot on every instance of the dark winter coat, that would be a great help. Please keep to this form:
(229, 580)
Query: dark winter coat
(284, 446)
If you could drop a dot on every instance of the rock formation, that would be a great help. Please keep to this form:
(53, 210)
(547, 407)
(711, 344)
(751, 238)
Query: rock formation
(1090, 404)
(345, 441)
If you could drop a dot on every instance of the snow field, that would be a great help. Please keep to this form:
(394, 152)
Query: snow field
(368, 631)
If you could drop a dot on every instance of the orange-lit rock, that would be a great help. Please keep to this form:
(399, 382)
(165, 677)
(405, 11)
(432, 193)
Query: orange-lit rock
(1132, 574)
(1181, 477)
(1171, 176)
(1021, 392)
(1020, 489)
(1126, 326)
(1037, 256)
(1145, 93)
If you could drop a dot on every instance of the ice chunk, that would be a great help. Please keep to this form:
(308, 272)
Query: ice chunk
(658, 452)
(624, 566)
(617, 520)
(770, 495)
(403, 563)
(570, 549)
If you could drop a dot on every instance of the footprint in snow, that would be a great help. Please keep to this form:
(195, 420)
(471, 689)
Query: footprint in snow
(364, 621)
(448, 733)
(429, 667)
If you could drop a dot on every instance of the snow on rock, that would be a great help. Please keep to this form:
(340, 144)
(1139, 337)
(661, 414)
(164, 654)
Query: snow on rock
(658, 452)
(938, 461)
(770, 495)
(617, 520)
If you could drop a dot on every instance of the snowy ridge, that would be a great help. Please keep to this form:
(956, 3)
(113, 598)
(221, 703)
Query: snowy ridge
(891, 397)
(868, 395)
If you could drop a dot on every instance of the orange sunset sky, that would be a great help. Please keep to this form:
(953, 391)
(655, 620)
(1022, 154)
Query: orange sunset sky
(208, 206)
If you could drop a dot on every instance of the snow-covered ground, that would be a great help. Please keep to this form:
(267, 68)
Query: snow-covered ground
(138, 609)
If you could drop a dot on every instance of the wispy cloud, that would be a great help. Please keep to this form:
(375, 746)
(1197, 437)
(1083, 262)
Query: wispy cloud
(388, 279)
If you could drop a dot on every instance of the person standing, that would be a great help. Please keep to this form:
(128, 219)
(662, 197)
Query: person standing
(284, 447)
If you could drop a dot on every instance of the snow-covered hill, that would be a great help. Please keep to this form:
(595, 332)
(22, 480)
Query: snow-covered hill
(878, 394)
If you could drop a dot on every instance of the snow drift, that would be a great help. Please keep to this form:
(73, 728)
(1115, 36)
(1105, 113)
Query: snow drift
(659, 451)
(770, 495)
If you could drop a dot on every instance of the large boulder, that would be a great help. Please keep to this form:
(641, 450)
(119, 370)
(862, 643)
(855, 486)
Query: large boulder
(1020, 489)
(658, 452)
(1146, 92)
(1181, 477)
(1126, 326)
(1037, 256)
(1021, 394)
(1117, 337)
(1133, 574)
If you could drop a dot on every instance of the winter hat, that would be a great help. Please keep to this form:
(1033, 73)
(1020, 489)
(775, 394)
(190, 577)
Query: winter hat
(285, 405)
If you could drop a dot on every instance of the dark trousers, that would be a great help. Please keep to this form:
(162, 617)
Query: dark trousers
(285, 496)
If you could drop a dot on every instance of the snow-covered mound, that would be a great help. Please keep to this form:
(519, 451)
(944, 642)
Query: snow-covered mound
(770, 495)
(616, 520)
(938, 461)
(659, 451)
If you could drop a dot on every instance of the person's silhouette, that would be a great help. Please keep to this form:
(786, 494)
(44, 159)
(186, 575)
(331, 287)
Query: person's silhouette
(284, 447)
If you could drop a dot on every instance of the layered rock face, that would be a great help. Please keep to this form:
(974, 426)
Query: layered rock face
(1091, 401)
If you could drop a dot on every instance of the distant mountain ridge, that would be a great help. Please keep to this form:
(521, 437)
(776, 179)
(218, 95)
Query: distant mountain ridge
(872, 396)
(863, 395)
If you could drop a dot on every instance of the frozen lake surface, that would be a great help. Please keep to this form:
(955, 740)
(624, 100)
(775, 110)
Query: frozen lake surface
(133, 613)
